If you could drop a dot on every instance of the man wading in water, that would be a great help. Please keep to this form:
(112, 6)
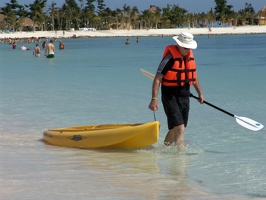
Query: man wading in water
(175, 74)
(50, 50)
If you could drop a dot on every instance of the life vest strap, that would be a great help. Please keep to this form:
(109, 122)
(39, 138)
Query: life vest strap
(183, 70)
(186, 81)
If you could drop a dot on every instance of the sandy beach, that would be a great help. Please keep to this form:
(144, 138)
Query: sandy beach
(139, 32)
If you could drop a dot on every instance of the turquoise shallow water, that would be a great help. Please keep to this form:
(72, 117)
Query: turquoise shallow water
(96, 81)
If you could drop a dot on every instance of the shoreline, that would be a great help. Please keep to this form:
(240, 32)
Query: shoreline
(137, 32)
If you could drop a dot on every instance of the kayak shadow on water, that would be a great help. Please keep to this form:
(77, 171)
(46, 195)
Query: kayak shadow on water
(155, 165)
(191, 148)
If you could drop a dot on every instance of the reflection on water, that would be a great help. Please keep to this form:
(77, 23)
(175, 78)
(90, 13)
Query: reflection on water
(158, 172)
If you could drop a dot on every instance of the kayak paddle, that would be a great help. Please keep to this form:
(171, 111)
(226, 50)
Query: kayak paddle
(243, 121)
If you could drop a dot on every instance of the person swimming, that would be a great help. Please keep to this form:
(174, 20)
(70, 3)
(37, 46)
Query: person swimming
(24, 48)
(127, 41)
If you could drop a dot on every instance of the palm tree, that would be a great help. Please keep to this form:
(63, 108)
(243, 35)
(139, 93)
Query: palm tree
(235, 18)
(9, 17)
(134, 17)
(177, 16)
(211, 18)
(146, 19)
(166, 14)
(77, 17)
(60, 16)
(72, 14)
(69, 12)
(13, 11)
(37, 13)
(155, 15)
(247, 14)
(250, 13)
(89, 13)
(126, 16)
(223, 11)
(220, 10)
(118, 17)
(53, 11)
(101, 5)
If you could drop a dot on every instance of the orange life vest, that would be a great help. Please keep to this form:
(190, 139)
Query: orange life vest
(183, 70)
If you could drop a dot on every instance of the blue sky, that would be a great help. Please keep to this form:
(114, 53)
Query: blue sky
(193, 6)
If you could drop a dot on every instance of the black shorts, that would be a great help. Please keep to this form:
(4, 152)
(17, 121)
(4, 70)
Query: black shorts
(176, 109)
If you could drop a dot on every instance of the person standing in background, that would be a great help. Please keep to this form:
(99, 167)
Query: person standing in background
(14, 44)
(61, 45)
(37, 51)
(127, 42)
(50, 50)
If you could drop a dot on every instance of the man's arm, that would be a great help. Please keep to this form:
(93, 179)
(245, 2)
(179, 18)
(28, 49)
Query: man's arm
(199, 91)
(164, 66)
(155, 88)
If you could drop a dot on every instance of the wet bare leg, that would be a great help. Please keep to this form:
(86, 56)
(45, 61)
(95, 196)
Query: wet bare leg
(176, 136)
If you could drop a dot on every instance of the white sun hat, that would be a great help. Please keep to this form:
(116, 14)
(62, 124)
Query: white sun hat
(185, 40)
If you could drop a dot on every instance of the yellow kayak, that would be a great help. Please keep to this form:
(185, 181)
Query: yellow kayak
(105, 135)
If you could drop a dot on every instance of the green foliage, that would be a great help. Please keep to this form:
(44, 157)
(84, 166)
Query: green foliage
(247, 14)
(37, 11)
(101, 5)
(94, 13)
(73, 4)
(90, 6)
